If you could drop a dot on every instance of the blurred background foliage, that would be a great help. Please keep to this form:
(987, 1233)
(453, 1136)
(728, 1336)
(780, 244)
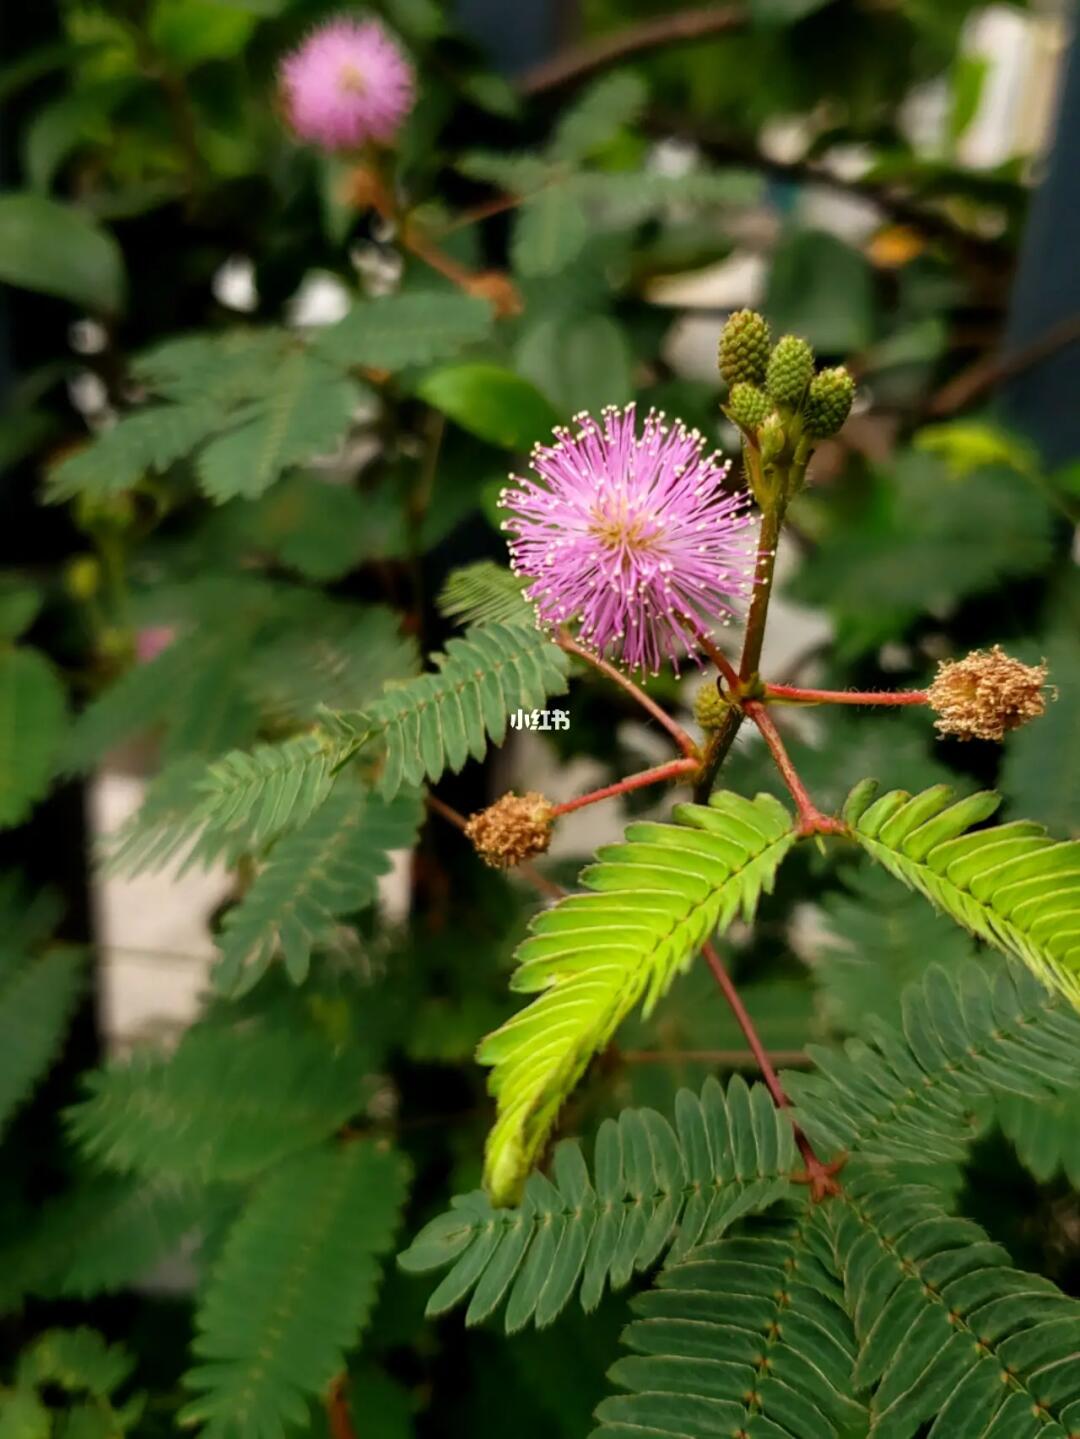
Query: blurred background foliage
(303, 414)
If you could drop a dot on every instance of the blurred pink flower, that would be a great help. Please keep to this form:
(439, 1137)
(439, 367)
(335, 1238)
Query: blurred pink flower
(633, 536)
(151, 641)
(347, 83)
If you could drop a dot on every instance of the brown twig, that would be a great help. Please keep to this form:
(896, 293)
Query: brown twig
(989, 371)
(820, 1176)
(567, 643)
(675, 28)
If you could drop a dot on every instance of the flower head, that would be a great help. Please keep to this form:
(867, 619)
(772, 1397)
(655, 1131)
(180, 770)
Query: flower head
(511, 830)
(348, 82)
(634, 535)
(986, 694)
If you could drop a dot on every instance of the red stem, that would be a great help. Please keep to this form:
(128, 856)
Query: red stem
(811, 819)
(675, 730)
(819, 1176)
(721, 661)
(674, 769)
(793, 694)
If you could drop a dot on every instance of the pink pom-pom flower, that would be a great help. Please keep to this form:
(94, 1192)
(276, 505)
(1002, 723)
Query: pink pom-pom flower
(347, 83)
(633, 536)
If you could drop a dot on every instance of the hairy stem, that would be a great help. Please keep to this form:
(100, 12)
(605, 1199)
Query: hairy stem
(723, 738)
(674, 769)
(811, 819)
(794, 694)
(820, 1176)
(566, 642)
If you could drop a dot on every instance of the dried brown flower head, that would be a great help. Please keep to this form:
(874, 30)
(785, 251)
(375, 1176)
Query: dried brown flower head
(986, 694)
(513, 829)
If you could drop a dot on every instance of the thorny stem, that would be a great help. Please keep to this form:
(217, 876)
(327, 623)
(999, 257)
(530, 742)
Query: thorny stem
(811, 819)
(820, 1177)
(794, 694)
(674, 769)
(566, 642)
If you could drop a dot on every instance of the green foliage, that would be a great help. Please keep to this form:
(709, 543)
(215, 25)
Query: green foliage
(1045, 1133)
(656, 898)
(1011, 885)
(33, 722)
(99, 1237)
(879, 941)
(490, 402)
(326, 869)
(293, 1286)
(595, 119)
(945, 1326)
(413, 328)
(920, 1093)
(59, 250)
(224, 1106)
(743, 1336)
(37, 997)
(77, 1365)
(436, 722)
(234, 806)
(550, 230)
(922, 541)
(485, 593)
(654, 1190)
(1037, 787)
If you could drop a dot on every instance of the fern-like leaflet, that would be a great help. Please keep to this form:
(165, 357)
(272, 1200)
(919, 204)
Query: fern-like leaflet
(327, 869)
(436, 722)
(1011, 885)
(945, 1325)
(747, 1337)
(919, 1093)
(653, 1189)
(592, 957)
(295, 1282)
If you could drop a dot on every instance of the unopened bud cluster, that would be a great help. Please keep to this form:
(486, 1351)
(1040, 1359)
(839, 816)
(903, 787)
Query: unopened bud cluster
(710, 707)
(775, 397)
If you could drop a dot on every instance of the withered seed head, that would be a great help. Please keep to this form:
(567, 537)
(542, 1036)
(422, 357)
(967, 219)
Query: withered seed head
(986, 694)
(513, 829)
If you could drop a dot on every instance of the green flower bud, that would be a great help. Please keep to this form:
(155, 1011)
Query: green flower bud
(748, 406)
(772, 438)
(828, 403)
(744, 348)
(82, 577)
(710, 710)
(791, 368)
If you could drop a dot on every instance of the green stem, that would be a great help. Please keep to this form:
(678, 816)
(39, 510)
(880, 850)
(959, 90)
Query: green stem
(723, 738)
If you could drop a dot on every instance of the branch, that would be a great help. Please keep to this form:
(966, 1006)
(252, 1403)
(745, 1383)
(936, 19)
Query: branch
(677, 28)
(339, 1420)
(726, 1058)
(811, 819)
(674, 769)
(565, 642)
(988, 372)
(820, 1177)
(729, 149)
(795, 694)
